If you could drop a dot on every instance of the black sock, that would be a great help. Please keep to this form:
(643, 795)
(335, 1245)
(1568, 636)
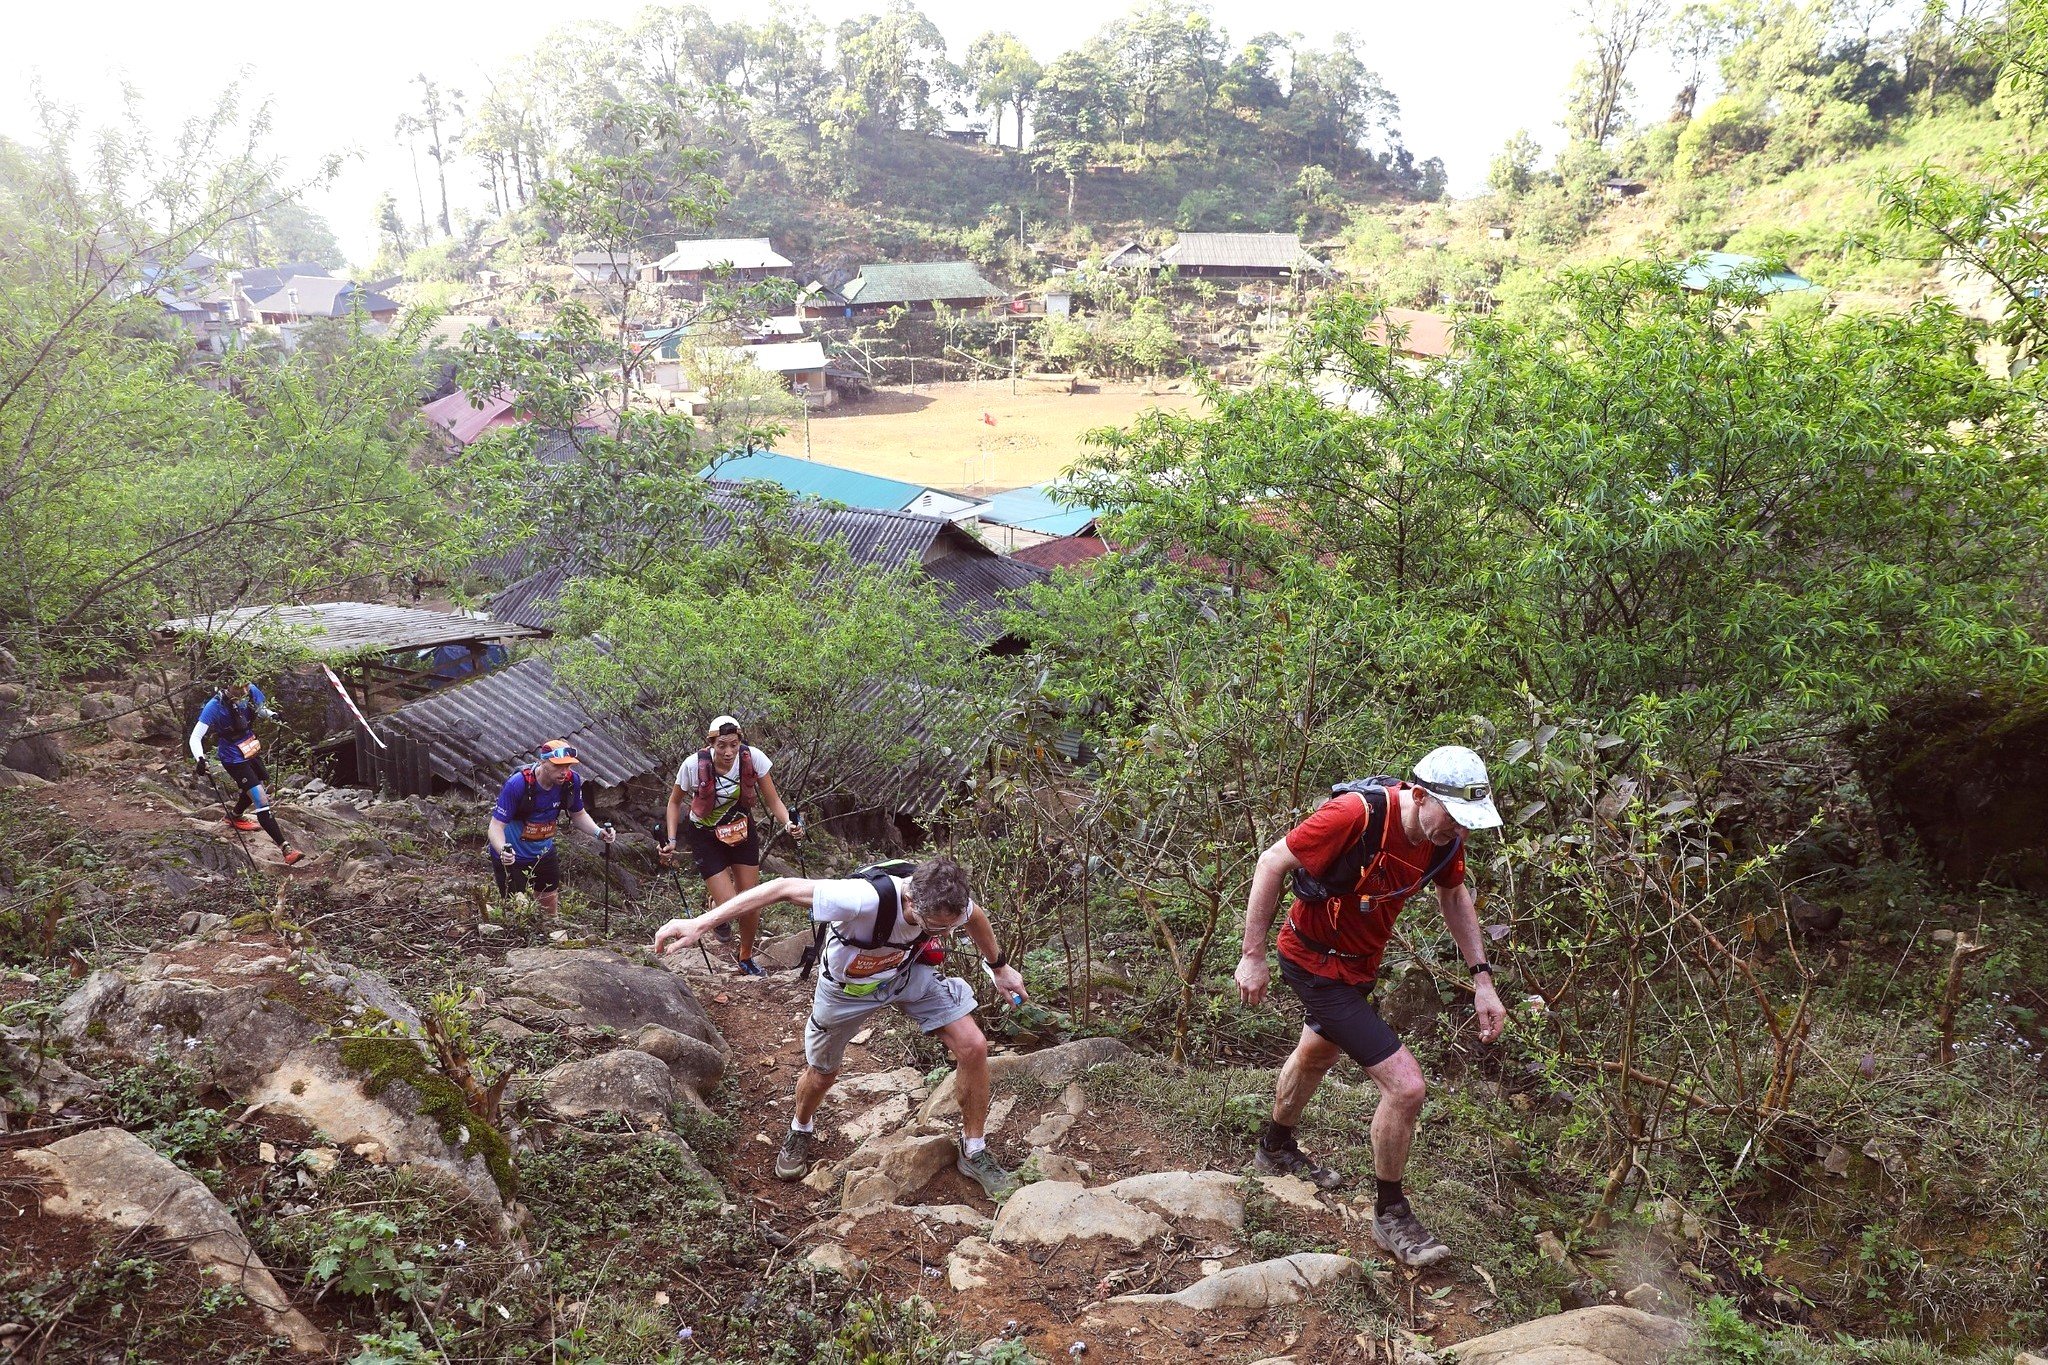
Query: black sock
(242, 804)
(1388, 1195)
(269, 823)
(1276, 1137)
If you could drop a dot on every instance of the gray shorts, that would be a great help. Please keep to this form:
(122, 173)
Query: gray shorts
(931, 1000)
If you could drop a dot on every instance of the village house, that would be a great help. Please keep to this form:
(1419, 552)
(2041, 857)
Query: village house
(799, 364)
(918, 286)
(603, 267)
(302, 298)
(1712, 268)
(1414, 335)
(1241, 256)
(730, 261)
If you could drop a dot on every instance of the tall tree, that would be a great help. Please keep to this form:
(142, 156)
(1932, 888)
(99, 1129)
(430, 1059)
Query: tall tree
(433, 112)
(891, 66)
(1001, 71)
(1617, 29)
(409, 127)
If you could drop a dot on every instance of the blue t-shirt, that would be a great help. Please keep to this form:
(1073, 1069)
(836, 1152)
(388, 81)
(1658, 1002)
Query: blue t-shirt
(231, 722)
(547, 807)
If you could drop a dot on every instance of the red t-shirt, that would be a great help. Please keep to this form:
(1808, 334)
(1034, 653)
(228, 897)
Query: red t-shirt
(1342, 923)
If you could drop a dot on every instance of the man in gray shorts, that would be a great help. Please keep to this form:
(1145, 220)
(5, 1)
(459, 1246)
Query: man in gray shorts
(877, 928)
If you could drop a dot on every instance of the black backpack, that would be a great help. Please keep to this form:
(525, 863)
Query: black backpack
(880, 876)
(1341, 876)
(522, 809)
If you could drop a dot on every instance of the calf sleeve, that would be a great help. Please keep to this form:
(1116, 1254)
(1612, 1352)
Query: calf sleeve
(270, 827)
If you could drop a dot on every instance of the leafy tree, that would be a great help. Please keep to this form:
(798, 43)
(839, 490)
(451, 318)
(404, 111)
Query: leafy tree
(1000, 71)
(437, 108)
(1600, 86)
(891, 66)
(1336, 104)
(1513, 170)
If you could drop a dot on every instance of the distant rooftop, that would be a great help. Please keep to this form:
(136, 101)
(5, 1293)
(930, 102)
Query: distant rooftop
(725, 253)
(918, 282)
(1241, 250)
(1033, 509)
(786, 357)
(1710, 268)
(322, 296)
(809, 478)
(337, 630)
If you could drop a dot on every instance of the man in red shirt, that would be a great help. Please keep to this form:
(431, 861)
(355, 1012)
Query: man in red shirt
(1386, 841)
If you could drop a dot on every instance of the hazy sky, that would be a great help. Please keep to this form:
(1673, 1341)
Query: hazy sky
(1467, 72)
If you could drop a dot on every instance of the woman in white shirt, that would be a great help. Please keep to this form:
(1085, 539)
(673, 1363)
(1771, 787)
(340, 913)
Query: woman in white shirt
(711, 808)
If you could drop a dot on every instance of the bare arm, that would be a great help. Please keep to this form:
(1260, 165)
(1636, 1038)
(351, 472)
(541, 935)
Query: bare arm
(497, 838)
(676, 802)
(983, 934)
(684, 932)
(1253, 975)
(774, 800)
(1462, 919)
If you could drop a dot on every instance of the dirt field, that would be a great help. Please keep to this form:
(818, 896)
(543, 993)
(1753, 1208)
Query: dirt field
(934, 434)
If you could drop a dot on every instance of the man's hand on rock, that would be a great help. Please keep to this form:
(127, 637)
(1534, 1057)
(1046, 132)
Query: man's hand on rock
(678, 933)
(1253, 976)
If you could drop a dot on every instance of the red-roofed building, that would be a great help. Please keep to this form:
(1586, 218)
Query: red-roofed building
(1062, 552)
(462, 420)
(1412, 333)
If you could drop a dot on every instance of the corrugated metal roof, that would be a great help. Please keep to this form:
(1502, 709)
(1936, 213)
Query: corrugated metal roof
(928, 780)
(1033, 508)
(1063, 552)
(1249, 250)
(785, 357)
(977, 589)
(724, 253)
(1420, 333)
(809, 478)
(337, 630)
(917, 282)
(480, 731)
(1710, 268)
(463, 417)
(321, 296)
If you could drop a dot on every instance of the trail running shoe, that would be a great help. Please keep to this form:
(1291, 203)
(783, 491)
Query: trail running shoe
(292, 855)
(984, 1170)
(749, 967)
(243, 823)
(722, 932)
(1291, 1160)
(1401, 1234)
(793, 1162)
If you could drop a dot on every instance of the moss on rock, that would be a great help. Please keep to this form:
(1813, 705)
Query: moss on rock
(380, 1061)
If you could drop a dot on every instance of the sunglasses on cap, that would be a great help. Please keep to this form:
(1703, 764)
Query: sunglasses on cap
(1457, 791)
(559, 753)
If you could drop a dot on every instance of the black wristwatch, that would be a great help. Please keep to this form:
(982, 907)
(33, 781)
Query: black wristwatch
(1482, 966)
(999, 961)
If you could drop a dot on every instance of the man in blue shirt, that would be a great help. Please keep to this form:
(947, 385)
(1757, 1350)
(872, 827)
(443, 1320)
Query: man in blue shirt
(531, 807)
(230, 716)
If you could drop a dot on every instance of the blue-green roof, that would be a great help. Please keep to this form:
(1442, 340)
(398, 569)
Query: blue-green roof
(1034, 509)
(1710, 268)
(808, 478)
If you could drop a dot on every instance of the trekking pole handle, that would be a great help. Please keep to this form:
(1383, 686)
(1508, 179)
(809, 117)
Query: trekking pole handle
(990, 972)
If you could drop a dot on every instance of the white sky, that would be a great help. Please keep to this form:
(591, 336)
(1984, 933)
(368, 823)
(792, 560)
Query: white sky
(1467, 72)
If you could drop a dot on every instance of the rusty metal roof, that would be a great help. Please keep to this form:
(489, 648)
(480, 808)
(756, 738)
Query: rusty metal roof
(338, 630)
(480, 731)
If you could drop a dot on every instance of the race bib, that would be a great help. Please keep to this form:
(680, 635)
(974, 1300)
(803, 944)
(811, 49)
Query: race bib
(733, 831)
(533, 831)
(873, 963)
(249, 746)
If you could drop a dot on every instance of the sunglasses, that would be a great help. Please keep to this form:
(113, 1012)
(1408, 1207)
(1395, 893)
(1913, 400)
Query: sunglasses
(559, 751)
(1457, 791)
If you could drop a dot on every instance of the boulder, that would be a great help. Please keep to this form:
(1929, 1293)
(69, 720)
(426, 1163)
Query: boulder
(99, 705)
(1607, 1335)
(1053, 1211)
(783, 952)
(893, 1169)
(831, 1256)
(626, 1082)
(37, 755)
(694, 1064)
(324, 1042)
(1264, 1284)
(1209, 1196)
(596, 988)
(973, 1264)
(1051, 1067)
(111, 1176)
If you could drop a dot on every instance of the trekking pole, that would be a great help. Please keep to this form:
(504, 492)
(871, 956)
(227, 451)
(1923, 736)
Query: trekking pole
(676, 872)
(607, 828)
(796, 821)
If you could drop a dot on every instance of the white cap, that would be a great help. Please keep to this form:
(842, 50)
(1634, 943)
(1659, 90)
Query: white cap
(717, 724)
(1455, 776)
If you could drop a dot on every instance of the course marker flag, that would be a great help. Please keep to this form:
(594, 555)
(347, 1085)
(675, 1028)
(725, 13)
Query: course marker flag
(354, 710)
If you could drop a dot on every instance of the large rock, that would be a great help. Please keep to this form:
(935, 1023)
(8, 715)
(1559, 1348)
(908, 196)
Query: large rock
(893, 1169)
(625, 1082)
(325, 1042)
(1265, 1284)
(1607, 1335)
(1054, 1211)
(1051, 1067)
(595, 988)
(1207, 1196)
(37, 755)
(694, 1065)
(111, 1176)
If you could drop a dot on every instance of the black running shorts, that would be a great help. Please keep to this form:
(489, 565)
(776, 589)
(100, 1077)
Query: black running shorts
(544, 873)
(713, 855)
(1343, 1014)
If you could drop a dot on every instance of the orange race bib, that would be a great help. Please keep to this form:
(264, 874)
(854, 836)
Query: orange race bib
(733, 831)
(533, 831)
(249, 746)
(875, 962)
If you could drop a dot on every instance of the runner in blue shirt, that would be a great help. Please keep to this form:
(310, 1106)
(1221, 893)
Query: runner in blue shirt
(531, 807)
(230, 717)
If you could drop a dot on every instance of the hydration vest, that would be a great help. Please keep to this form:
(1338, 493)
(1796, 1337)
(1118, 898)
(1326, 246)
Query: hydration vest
(882, 876)
(705, 799)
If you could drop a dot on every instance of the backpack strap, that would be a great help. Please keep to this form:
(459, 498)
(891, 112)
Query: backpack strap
(1343, 874)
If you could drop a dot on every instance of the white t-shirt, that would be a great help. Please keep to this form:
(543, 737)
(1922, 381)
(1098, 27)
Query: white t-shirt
(852, 903)
(728, 789)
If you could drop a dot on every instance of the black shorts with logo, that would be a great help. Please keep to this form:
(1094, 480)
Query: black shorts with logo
(1343, 1014)
(543, 873)
(713, 855)
(247, 772)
